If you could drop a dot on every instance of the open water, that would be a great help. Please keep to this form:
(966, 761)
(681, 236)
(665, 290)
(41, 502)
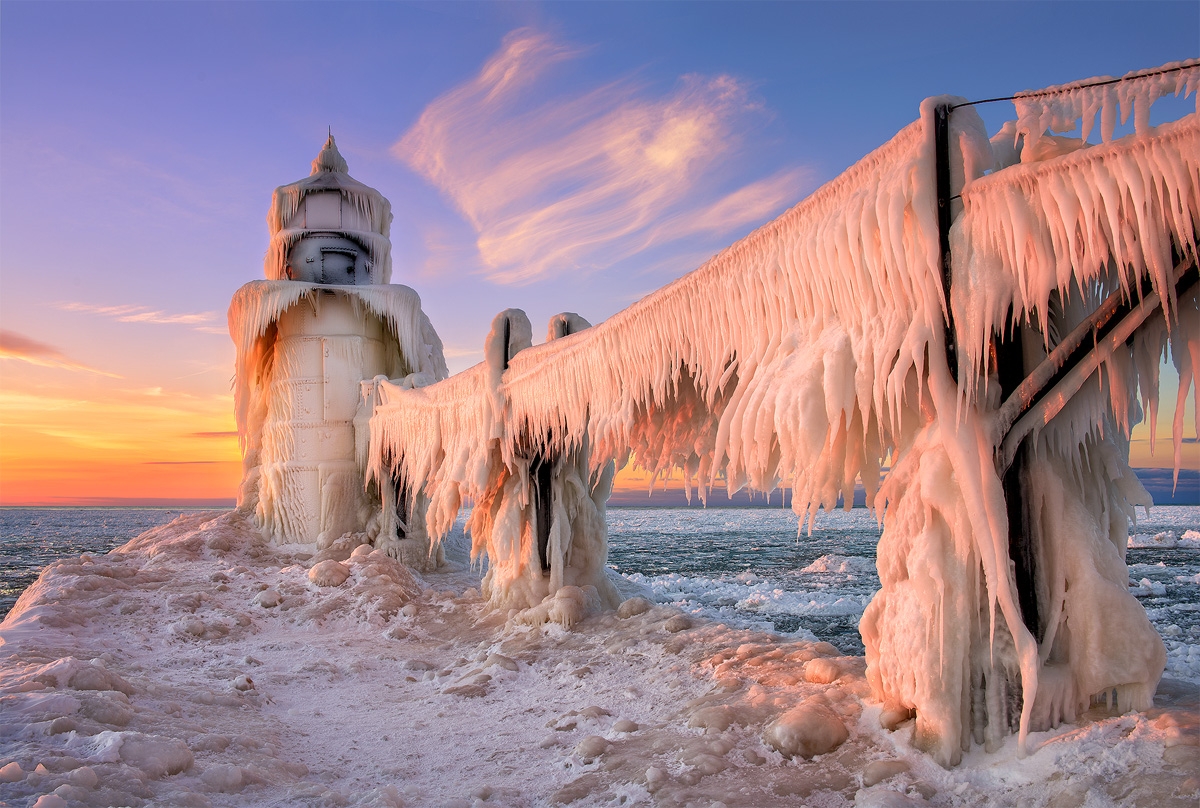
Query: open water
(31, 538)
(743, 566)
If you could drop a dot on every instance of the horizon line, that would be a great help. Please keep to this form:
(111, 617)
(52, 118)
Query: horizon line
(633, 496)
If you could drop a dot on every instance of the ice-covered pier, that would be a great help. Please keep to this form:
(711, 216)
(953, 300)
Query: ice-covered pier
(815, 351)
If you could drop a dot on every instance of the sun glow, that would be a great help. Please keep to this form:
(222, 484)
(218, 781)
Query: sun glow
(70, 447)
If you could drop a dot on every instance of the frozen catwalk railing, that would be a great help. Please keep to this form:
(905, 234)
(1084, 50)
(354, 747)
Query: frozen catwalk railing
(815, 349)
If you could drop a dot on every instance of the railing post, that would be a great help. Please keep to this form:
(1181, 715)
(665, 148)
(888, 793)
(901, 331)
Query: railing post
(542, 471)
(941, 137)
(507, 337)
(1022, 532)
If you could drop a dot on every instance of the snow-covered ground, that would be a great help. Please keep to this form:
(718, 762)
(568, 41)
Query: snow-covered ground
(199, 666)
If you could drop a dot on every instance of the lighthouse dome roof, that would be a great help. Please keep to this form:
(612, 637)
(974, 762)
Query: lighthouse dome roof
(362, 214)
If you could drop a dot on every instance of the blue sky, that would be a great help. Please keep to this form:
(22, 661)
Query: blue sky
(140, 143)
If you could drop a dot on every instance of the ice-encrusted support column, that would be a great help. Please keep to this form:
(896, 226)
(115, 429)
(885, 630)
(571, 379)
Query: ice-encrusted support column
(398, 527)
(944, 635)
(941, 146)
(540, 517)
(1010, 369)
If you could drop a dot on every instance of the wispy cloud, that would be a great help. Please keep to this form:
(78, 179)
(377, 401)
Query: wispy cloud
(751, 204)
(143, 314)
(21, 348)
(580, 182)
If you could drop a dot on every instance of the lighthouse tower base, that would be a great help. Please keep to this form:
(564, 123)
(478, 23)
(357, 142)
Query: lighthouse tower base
(310, 488)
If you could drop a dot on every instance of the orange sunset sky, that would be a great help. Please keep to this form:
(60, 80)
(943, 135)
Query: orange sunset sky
(95, 442)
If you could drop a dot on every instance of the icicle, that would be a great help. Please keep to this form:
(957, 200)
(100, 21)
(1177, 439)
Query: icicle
(1061, 108)
(1063, 242)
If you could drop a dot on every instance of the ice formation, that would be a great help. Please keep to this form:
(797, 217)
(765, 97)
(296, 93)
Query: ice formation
(538, 508)
(311, 341)
(813, 352)
(1061, 108)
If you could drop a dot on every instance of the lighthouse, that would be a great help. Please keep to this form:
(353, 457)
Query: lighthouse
(310, 340)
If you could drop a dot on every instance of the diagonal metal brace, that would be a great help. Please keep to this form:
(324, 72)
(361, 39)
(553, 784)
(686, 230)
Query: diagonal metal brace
(1068, 366)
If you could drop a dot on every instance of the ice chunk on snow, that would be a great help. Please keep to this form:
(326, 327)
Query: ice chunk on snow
(633, 607)
(154, 755)
(807, 730)
(225, 778)
(268, 599)
(854, 565)
(822, 671)
(329, 573)
(591, 748)
(879, 770)
(50, 801)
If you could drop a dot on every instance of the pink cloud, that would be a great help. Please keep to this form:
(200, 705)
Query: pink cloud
(23, 349)
(581, 182)
(141, 314)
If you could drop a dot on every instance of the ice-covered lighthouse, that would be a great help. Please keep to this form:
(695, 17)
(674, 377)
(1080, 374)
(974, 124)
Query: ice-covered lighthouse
(310, 339)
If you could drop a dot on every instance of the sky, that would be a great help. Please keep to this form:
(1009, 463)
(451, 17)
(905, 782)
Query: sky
(546, 156)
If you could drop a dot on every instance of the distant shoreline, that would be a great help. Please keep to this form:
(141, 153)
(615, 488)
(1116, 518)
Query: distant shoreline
(1158, 481)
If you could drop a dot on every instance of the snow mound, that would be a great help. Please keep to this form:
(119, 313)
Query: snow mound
(807, 730)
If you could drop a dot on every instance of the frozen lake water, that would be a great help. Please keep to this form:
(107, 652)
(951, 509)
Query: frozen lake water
(746, 567)
(742, 566)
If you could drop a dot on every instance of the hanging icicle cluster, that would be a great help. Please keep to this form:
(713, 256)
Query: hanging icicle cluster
(1061, 108)
(839, 296)
(1043, 241)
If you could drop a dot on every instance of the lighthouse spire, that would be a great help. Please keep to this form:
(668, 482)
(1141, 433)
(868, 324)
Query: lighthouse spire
(330, 159)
